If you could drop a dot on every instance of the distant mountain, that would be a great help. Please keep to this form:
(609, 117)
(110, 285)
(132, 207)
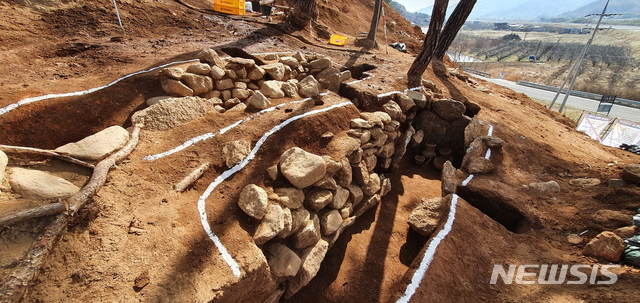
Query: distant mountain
(529, 10)
(418, 18)
(615, 7)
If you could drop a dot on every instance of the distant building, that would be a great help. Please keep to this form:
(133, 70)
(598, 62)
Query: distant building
(501, 26)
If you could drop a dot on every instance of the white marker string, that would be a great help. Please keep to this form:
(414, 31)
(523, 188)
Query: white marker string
(26, 101)
(430, 253)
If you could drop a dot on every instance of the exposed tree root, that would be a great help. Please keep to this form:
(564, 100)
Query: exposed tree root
(14, 287)
(43, 152)
(42, 211)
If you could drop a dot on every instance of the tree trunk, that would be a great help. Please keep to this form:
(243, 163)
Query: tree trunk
(303, 12)
(421, 62)
(454, 24)
(371, 36)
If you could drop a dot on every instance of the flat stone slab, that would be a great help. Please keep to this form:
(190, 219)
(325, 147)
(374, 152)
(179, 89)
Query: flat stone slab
(38, 185)
(97, 146)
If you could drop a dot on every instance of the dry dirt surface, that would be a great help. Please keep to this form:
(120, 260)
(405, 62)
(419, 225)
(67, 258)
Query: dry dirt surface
(53, 47)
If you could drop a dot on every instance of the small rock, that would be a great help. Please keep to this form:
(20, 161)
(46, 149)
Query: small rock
(321, 63)
(631, 173)
(199, 69)
(299, 218)
(626, 232)
(275, 70)
(355, 194)
(224, 84)
(272, 89)
(210, 57)
(271, 225)
(385, 187)
(373, 186)
(35, 184)
(217, 73)
(259, 101)
(236, 151)
(611, 218)
(302, 168)
(606, 245)
(616, 183)
(256, 73)
(142, 280)
(290, 197)
(97, 146)
(287, 219)
(4, 161)
(339, 198)
(574, 239)
(253, 201)
(311, 259)
(330, 222)
(172, 72)
(587, 182)
(480, 165)
(547, 188)
(176, 88)
(308, 235)
(283, 261)
(407, 104)
(317, 199)
(290, 61)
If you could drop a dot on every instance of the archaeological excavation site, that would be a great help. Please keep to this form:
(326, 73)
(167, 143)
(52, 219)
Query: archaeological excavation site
(189, 155)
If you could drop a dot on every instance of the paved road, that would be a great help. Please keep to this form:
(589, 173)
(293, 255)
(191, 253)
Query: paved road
(591, 105)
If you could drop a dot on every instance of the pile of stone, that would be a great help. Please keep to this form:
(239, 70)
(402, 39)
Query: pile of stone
(38, 185)
(299, 222)
(236, 83)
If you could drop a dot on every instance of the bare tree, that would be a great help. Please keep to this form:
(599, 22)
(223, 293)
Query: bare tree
(421, 62)
(454, 24)
(303, 13)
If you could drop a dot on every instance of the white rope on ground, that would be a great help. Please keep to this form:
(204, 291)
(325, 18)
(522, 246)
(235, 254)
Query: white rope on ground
(26, 101)
(430, 253)
(207, 136)
(235, 268)
(433, 245)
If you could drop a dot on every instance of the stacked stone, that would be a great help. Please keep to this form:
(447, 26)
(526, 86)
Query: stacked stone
(238, 82)
(443, 120)
(298, 223)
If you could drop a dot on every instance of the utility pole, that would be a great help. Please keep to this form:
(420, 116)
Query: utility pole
(575, 69)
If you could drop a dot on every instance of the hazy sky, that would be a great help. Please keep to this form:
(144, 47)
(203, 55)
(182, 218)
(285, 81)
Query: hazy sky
(414, 5)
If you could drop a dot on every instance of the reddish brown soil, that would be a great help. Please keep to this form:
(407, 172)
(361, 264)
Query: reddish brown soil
(78, 46)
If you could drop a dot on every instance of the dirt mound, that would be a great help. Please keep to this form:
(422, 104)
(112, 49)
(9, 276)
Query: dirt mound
(137, 239)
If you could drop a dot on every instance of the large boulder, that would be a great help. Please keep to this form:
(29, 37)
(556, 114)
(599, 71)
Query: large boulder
(393, 109)
(321, 63)
(301, 168)
(290, 61)
(631, 173)
(199, 69)
(259, 101)
(236, 151)
(169, 113)
(176, 88)
(283, 261)
(427, 215)
(308, 87)
(198, 83)
(275, 70)
(253, 201)
(606, 245)
(272, 89)
(448, 109)
(211, 57)
(373, 186)
(311, 259)
(38, 185)
(271, 225)
(97, 146)
(339, 198)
